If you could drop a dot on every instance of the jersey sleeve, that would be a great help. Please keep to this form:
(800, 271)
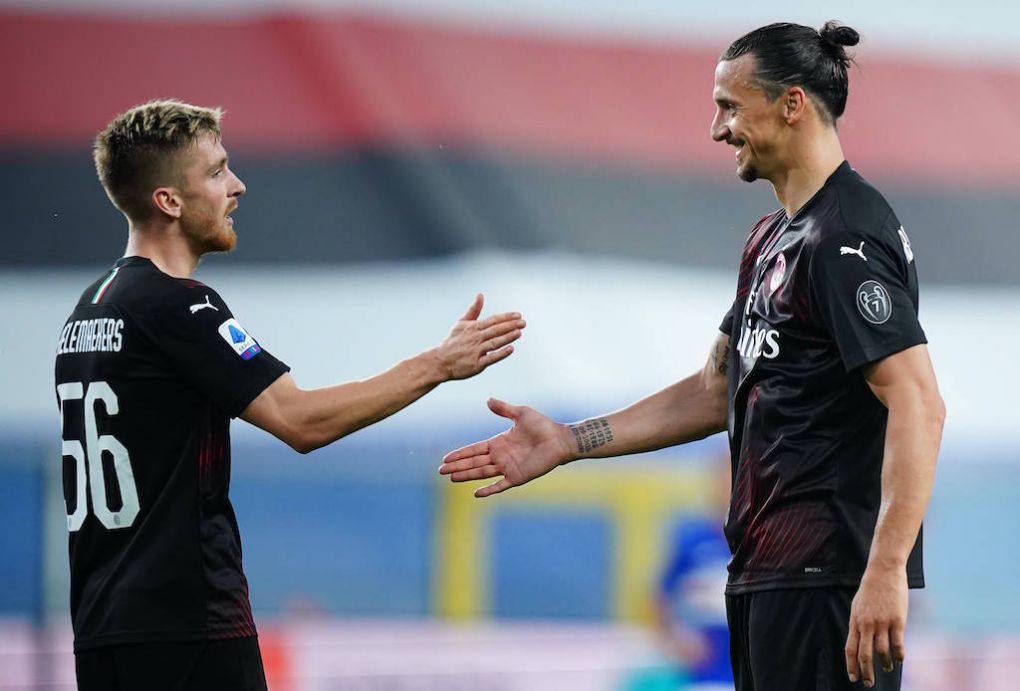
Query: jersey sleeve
(212, 350)
(865, 291)
(726, 325)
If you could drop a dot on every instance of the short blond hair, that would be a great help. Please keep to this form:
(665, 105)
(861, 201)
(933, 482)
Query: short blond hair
(136, 152)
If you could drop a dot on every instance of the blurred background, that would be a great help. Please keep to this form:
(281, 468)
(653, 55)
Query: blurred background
(402, 155)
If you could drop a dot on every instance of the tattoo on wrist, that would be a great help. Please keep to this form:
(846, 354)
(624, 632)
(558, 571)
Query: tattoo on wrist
(591, 434)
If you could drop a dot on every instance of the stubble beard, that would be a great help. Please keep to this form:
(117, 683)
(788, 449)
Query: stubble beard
(747, 173)
(212, 236)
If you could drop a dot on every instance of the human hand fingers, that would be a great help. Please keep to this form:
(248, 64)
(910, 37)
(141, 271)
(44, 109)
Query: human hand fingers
(494, 488)
(481, 473)
(866, 656)
(853, 640)
(476, 449)
(463, 464)
(504, 409)
(495, 356)
(500, 341)
(494, 319)
(475, 309)
(883, 652)
(501, 328)
(899, 647)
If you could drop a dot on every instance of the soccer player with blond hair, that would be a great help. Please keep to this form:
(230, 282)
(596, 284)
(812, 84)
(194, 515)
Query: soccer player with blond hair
(151, 366)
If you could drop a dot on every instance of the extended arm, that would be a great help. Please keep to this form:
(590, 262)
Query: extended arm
(905, 383)
(307, 420)
(691, 409)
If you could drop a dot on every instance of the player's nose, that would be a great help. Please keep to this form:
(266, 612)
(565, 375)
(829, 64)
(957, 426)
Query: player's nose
(239, 187)
(719, 131)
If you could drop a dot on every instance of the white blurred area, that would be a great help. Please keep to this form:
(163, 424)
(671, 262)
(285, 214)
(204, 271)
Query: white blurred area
(353, 655)
(601, 333)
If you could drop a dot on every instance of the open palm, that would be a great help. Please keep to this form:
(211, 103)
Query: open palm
(531, 448)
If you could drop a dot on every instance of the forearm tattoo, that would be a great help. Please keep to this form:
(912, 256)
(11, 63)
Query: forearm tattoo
(591, 434)
(721, 356)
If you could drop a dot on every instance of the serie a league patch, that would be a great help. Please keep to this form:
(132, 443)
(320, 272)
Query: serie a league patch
(239, 339)
(874, 302)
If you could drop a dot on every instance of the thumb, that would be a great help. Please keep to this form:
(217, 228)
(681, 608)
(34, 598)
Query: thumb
(475, 309)
(504, 409)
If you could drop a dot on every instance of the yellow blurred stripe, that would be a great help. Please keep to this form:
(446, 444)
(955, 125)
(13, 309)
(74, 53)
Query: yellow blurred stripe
(638, 499)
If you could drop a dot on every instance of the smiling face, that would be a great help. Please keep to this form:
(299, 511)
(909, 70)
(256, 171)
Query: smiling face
(747, 120)
(209, 193)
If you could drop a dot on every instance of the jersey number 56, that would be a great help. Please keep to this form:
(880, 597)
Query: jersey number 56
(91, 457)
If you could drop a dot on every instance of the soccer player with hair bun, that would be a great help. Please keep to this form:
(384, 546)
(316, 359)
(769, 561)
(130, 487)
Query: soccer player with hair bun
(820, 374)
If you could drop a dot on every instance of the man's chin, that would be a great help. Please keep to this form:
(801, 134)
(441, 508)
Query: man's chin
(747, 173)
(224, 242)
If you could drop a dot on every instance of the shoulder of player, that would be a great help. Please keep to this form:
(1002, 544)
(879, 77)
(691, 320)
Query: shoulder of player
(860, 213)
(763, 222)
(863, 209)
(161, 297)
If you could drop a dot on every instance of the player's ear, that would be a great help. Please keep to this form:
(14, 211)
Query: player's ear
(167, 201)
(794, 104)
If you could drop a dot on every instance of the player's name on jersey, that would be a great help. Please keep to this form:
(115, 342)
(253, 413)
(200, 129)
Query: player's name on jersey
(102, 335)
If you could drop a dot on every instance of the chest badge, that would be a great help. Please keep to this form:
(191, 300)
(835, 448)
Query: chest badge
(778, 274)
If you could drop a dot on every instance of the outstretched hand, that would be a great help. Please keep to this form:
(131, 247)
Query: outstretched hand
(474, 344)
(531, 448)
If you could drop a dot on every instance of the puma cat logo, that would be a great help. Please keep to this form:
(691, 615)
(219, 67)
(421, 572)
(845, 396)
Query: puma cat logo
(203, 305)
(850, 250)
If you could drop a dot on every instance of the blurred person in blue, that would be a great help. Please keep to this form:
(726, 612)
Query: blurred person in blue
(689, 605)
(151, 367)
(819, 373)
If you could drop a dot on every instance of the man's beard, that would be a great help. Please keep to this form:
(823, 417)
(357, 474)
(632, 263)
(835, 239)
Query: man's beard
(746, 172)
(221, 238)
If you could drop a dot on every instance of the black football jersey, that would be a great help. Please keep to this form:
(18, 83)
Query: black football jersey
(819, 295)
(149, 371)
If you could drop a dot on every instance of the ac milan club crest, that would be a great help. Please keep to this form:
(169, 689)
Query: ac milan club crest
(778, 274)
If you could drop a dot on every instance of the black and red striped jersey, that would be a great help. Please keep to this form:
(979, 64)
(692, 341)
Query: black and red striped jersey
(149, 371)
(819, 296)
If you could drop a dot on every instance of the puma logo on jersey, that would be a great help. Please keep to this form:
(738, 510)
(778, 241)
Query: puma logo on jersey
(203, 305)
(850, 250)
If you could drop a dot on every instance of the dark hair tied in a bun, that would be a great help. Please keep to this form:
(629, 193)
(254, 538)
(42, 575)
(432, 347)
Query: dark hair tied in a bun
(839, 35)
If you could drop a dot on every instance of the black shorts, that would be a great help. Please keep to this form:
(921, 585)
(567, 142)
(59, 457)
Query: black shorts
(794, 640)
(234, 664)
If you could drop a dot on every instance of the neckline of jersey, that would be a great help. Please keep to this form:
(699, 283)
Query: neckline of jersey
(133, 260)
(842, 169)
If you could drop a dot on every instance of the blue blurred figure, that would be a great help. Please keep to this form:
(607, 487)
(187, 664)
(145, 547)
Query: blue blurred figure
(690, 605)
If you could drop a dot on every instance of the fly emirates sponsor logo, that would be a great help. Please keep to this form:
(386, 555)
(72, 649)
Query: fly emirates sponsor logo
(754, 343)
(91, 336)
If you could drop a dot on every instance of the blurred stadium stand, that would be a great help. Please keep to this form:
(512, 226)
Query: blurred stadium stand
(402, 155)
